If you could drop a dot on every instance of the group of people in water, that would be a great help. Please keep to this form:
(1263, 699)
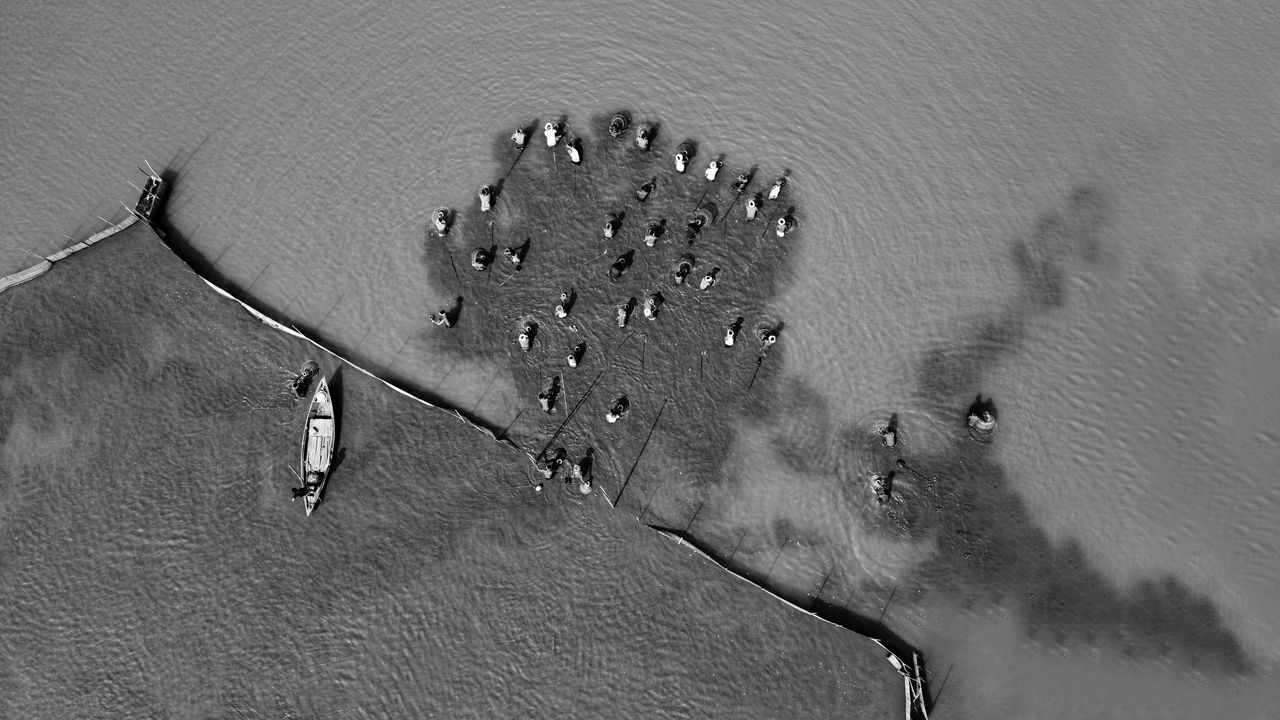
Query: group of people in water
(579, 473)
(554, 133)
(980, 419)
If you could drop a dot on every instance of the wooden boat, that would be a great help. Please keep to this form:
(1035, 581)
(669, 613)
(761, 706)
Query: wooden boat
(317, 445)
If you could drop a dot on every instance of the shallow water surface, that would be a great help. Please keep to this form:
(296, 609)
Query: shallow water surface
(154, 566)
(941, 153)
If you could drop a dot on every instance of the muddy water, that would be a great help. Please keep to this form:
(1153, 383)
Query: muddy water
(155, 566)
(934, 147)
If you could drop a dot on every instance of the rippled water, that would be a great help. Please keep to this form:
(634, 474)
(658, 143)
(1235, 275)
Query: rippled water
(937, 150)
(153, 566)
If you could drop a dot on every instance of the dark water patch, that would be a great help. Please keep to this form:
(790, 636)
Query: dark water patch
(989, 547)
(163, 565)
(559, 210)
(955, 497)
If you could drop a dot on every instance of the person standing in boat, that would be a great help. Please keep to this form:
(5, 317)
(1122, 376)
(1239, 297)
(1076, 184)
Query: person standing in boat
(311, 484)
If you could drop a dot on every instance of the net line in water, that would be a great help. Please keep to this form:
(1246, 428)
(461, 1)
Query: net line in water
(149, 198)
(739, 271)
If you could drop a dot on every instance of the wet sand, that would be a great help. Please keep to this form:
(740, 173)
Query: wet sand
(155, 566)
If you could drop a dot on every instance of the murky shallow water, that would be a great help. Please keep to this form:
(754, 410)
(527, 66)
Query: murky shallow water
(154, 566)
(931, 145)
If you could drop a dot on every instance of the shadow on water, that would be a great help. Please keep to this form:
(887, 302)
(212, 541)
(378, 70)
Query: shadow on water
(986, 546)
(989, 546)
(335, 394)
(206, 267)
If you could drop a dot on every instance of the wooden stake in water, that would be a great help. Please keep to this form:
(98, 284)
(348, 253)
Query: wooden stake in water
(331, 309)
(695, 517)
(938, 695)
(759, 360)
(513, 422)
(472, 411)
(823, 586)
(258, 277)
(886, 604)
(700, 197)
(569, 417)
(725, 217)
(455, 270)
(641, 453)
(775, 560)
(741, 537)
(395, 357)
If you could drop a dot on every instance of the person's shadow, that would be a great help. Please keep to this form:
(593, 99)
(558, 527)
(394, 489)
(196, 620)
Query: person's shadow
(339, 453)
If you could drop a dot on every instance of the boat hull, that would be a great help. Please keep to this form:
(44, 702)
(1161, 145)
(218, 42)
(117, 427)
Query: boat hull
(317, 445)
